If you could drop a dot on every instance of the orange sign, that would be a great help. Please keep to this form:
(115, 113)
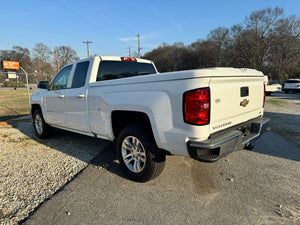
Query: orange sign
(11, 65)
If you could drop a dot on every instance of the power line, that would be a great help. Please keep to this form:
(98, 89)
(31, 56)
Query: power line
(84, 19)
(112, 17)
(71, 11)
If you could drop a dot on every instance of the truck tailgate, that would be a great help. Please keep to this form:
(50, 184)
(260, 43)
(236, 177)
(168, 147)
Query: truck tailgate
(235, 100)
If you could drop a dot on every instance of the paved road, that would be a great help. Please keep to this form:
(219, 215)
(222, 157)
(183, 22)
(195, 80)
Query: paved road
(260, 187)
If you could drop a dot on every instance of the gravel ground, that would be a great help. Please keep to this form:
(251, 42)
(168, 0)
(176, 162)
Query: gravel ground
(32, 170)
(284, 111)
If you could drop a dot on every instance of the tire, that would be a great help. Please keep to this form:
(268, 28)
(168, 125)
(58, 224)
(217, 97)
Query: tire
(138, 155)
(41, 128)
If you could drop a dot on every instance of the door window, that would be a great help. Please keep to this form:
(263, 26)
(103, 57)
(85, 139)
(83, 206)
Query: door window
(80, 74)
(62, 78)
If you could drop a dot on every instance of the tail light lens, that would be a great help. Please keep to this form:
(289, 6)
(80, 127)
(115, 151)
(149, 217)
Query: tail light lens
(196, 105)
(264, 95)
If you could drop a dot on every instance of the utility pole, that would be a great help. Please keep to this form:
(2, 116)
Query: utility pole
(129, 51)
(87, 46)
(57, 63)
(139, 46)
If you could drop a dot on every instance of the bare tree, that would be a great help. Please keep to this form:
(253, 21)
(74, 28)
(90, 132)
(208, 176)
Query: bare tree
(41, 52)
(220, 38)
(266, 40)
(42, 59)
(286, 51)
(66, 55)
(259, 30)
(170, 57)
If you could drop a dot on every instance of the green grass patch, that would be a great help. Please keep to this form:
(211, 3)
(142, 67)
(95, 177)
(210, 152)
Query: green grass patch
(276, 102)
(13, 84)
(13, 102)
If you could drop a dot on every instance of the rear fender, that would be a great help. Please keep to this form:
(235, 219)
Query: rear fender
(156, 105)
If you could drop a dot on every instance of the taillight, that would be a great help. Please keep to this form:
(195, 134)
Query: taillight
(264, 96)
(298, 85)
(128, 59)
(196, 105)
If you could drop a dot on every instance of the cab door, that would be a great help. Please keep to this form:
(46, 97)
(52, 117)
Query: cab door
(75, 99)
(55, 98)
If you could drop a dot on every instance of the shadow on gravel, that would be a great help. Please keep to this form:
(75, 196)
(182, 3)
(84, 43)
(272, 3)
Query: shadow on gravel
(5, 118)
(275, 145)
(286, 96)
(284, 141)
(97, 152)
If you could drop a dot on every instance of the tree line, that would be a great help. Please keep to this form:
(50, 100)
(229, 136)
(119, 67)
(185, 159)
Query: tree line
(266, 40)
(42, 59)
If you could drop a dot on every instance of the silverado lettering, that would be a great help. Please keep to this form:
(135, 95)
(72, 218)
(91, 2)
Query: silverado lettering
(222, 125)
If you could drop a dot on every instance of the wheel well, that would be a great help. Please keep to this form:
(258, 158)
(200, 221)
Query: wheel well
(34, 107)
(121, 119)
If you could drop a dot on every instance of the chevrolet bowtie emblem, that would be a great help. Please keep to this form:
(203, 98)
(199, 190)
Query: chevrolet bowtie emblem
(244, 103)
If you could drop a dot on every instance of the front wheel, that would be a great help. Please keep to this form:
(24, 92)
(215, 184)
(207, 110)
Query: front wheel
(41, 128)
(138, 155)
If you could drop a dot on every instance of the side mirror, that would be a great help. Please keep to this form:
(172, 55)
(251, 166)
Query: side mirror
(43, 84)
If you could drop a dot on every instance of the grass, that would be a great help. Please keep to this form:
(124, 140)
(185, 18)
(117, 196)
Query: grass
(276, 102)
(13, 103)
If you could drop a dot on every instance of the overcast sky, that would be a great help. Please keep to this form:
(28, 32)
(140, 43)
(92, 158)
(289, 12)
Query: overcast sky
(112, 25)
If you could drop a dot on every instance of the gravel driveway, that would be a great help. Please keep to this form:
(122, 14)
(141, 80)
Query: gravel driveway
(32, 170)
(284, 111)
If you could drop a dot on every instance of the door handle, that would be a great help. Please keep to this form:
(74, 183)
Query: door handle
(61, 96)
(80, 96)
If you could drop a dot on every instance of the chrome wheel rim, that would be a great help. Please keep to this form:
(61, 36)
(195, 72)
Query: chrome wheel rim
(133, 154)
(38, 124)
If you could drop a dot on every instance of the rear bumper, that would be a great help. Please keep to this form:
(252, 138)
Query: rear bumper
(292, 89)
(227, 141)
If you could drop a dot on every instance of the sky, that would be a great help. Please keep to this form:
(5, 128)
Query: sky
(112, 25)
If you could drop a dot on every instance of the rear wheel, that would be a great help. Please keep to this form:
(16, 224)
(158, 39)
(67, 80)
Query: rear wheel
(138, 155)
(41, 128)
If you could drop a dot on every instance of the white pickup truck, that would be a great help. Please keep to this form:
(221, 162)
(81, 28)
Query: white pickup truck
(271, 86)
(204, 114)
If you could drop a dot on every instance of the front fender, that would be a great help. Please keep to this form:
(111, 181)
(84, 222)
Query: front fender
(37, 98)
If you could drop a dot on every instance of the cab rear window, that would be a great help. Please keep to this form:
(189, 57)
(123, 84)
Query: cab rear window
(109, 70)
